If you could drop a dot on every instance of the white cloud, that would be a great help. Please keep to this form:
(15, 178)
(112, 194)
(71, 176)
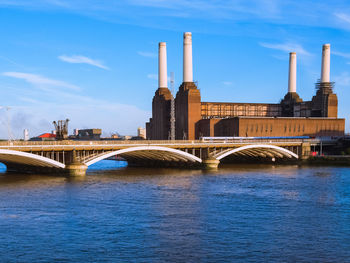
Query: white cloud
(147, 54)
(287, 47)
(39, 80)
(343, 17)
(325, 13)
(227, 83)
(218, 8)
(38, 117)
(343, 79)
(35, 110)
(11, 61)
(152, 76)
(30, 100)
(82, 60)
(341, 54)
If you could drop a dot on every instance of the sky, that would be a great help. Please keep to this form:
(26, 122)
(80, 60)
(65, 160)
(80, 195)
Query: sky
(95, 61)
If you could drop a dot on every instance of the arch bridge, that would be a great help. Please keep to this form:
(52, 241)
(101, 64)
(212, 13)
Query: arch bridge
(74, 157)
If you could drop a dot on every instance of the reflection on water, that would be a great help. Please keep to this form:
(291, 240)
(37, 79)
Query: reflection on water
(238, 213)
(2, 168)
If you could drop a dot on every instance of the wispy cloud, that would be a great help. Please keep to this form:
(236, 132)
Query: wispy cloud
(341, 54)
(40, 80)
(218, 8)
(152, 76)
(49, 100)
(11, 61)
(30, 100)
(75, 59)
(343, 17)
(287, 47)
(343, 79)
(147, 54)
(143, 12)
(227, 83)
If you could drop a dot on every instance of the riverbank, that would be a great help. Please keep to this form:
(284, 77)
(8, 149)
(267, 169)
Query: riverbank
(343, 160)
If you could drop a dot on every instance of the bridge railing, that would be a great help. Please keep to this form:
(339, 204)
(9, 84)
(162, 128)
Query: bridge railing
(150, 142)
(99, 142)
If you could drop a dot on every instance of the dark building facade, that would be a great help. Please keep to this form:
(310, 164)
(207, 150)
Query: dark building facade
(290, 117)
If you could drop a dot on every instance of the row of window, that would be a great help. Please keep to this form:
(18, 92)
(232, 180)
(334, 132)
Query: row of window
(234, 110)
(257, 127)
(290, 128)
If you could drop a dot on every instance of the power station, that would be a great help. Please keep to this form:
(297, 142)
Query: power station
(195, 119)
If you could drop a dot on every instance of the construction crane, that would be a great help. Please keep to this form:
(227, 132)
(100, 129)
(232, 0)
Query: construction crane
(61, 128)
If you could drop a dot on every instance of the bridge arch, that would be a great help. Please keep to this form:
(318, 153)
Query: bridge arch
(148, 152)
(255, 149)
(30, 159)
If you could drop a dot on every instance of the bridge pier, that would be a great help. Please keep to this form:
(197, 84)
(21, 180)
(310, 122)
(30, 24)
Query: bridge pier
(210, 164)
(76, 169)
(305, 150)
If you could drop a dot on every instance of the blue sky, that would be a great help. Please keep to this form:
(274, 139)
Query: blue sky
(95, 61)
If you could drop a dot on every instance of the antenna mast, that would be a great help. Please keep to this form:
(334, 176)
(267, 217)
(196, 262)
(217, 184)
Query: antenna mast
(172, 107)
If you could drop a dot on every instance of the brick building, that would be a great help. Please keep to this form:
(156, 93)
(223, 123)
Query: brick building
(290, 117)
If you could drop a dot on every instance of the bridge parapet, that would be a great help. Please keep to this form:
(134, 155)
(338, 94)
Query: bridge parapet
(150, 142)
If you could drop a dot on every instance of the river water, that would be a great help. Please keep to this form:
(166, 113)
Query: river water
(255, 213)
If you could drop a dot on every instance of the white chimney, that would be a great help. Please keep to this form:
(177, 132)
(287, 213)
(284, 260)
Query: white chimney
(292, 79)
(26, 135)
(326, 61)
(187, 59)
(162, 66)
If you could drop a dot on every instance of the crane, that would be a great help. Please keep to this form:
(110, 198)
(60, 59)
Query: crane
(61, 127)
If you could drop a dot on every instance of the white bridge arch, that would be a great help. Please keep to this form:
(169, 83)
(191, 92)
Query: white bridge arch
(151, 152)
(24, 158)
(255, 150)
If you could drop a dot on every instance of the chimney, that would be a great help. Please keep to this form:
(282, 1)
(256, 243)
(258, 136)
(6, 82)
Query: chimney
(326, 60)
(162, 66)
(187, 59)
(292, 79)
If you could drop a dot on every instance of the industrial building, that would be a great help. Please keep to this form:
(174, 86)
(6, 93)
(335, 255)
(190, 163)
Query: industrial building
(89, 134)
(290, 117)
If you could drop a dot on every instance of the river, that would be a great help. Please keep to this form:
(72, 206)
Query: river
(240, 213)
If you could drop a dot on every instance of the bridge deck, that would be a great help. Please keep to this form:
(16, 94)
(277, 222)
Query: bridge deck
(71, 154)
(68, 145)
